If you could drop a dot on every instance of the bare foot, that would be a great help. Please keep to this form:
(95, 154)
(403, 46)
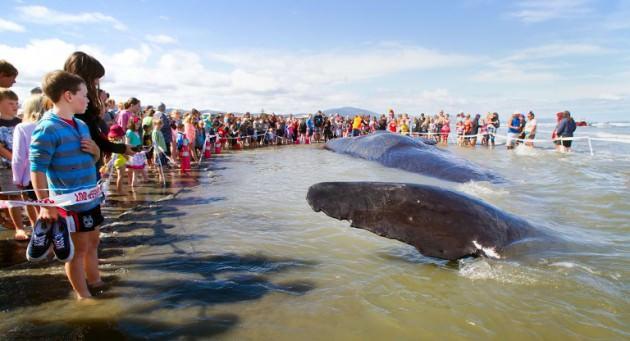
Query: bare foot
(89, 300)
(21, 235)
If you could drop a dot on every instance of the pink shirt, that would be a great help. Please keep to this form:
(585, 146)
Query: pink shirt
(189, 129)
(123, 119)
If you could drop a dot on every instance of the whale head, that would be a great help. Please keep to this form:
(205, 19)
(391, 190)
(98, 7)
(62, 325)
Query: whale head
(438, 222)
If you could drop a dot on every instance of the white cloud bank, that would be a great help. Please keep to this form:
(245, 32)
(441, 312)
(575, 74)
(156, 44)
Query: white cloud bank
(537, 64)
(161, 39)
(535, 11)
(10, 26)
(302, 81)
(251, 79)
(45, 16)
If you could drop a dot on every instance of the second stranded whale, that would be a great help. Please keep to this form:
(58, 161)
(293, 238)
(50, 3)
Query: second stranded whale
(438, 222)
(413, 155)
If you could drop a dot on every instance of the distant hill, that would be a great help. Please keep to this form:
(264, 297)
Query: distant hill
(349, 111)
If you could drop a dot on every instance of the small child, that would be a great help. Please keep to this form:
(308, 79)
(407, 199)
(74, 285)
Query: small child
(8, 122)
(159, 149)
(136, 164)
(63, 158)
(270, 136)
(116, 135)
(147, 143)
(183, 147)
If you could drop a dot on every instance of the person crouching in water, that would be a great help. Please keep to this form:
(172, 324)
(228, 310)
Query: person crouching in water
(183, 147)
(63, 158)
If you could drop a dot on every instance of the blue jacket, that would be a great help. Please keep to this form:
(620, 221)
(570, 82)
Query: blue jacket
(566, 127)
(56, 151)
(516, 122)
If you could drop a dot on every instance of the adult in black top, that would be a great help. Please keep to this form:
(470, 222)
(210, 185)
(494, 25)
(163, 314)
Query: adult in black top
(91, 70)
(91, 118)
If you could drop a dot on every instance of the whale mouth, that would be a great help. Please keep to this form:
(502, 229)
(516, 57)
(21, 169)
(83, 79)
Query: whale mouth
(489, 252)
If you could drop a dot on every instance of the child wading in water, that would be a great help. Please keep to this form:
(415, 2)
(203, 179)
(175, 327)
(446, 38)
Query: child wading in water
(63, 158)
(116, 135)
(159, 149)
(183, 146)
(137, 163)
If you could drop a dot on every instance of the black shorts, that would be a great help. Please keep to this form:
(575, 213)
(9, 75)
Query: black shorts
(31, 194)
(86, 221)
(567, 143)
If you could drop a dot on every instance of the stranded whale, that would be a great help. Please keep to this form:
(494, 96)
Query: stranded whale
(439, 223)
(414, 155)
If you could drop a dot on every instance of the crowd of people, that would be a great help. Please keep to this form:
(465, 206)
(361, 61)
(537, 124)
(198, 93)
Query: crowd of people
(70, 135)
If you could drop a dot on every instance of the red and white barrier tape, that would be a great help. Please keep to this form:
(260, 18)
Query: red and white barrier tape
(61, 200)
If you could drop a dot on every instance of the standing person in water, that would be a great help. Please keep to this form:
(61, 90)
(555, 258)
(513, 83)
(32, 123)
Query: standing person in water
(474, 130)
(514, 130)
(554, 134)
(565, 129)
(530, 129)
(62, 157)
(91, 71)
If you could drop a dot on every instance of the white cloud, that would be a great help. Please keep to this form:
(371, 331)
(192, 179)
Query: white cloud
(161, 39)
(534, 11)
(43, 15)
(610, 97)
(301, 81)
(558, 50)
(342, 66)
(30, 60)
(10, 26)
(537, 64)
(512, 73)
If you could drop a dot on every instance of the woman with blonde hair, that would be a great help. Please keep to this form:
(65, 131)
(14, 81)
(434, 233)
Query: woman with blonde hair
(33, 110)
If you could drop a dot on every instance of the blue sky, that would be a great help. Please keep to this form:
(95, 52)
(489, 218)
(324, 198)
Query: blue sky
(300, 56)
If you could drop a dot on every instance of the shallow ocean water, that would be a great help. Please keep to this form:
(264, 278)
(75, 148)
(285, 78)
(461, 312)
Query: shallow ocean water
(242, 256)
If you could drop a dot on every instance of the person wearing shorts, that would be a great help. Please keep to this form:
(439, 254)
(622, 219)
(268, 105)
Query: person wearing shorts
(60, 140)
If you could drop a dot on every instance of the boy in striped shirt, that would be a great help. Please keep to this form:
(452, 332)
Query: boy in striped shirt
(63, 158)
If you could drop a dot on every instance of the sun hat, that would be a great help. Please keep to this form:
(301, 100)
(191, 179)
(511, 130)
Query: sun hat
(116, 131)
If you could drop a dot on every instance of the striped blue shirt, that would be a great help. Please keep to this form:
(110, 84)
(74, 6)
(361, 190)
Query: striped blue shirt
(56, 151)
